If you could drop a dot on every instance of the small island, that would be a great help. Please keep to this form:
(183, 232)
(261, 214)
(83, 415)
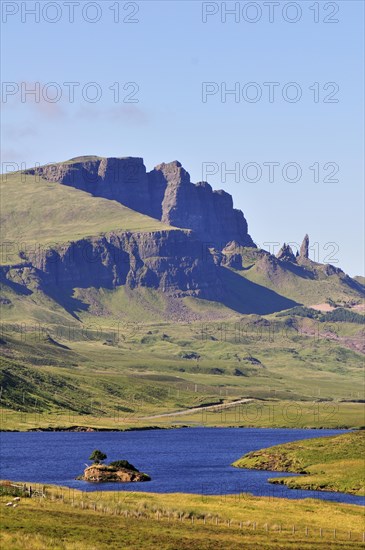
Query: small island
(118, 471)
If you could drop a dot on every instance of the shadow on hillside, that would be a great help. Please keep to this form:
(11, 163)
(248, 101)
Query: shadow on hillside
(297, 270)
(16, 287)
(63, 297)
(239, 294)
(247, 297)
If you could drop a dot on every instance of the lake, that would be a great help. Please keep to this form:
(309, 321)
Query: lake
(185, 460)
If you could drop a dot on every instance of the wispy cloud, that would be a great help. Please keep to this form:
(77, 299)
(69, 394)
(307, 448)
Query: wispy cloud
(49, 110)
(130, 113)
(20, 132)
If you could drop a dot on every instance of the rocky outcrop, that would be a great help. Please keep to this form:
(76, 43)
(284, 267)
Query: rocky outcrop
(166, 193)
(102, 473)
(232, 255)
(233, 261)
(210, 214)
(304, 249)
(286, 254)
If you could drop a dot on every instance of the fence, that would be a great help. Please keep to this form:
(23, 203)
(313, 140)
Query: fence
(17, 489)
(87, 501)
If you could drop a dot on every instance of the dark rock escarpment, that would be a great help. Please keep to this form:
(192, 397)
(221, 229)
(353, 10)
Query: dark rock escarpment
(171, 261)
(166, 193)
(210, 214)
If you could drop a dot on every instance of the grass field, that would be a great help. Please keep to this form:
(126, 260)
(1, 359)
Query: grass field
(334, 463)
(256, 413)
(115, 373)
(70, 519)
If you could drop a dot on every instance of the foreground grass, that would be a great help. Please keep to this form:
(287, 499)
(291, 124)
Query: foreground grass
(69, 519)
(333, 463)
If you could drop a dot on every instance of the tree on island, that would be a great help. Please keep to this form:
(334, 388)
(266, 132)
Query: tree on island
(97, 456)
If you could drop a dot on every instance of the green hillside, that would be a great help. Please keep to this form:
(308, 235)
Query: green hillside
(308, 284)
(329, 463)
(107, 361)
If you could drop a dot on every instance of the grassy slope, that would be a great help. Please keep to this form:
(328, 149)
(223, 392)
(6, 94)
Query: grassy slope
(60, 365)
(330, 463)
(56, 213)
(67, 524)
(144, 373)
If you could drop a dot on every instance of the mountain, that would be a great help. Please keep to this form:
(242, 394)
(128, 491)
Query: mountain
(166, 194)
(126, 290)
(107, 222)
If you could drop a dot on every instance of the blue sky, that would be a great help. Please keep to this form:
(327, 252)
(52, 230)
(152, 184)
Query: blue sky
(168, 53)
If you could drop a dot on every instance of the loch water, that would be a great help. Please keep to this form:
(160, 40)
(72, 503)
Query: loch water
(184, 460)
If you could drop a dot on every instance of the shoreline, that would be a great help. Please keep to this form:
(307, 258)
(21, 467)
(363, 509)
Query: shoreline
(90, 429)
(324, 464)
(148, 494)
(242, 413)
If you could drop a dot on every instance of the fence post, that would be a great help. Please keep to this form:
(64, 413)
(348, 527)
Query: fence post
(350, 535)
(334, 533)
(293, 529)
(320, 532)
(306, 531)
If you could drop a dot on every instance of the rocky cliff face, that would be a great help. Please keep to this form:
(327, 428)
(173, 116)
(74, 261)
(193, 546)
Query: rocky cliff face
(124, 180)
(171, 261)
(210, 214)
(166, 193)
